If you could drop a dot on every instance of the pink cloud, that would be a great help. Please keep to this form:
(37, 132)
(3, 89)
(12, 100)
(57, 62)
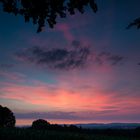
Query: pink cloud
(55, 98)
(14, 76)
(66, 30)
(64, 99)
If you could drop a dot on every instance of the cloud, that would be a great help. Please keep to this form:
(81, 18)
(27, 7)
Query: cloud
(66, 115)
(66, 29)
(56, 58)
(113, 59)
(54, 98)
(76, 43)
(61, 97)
(6, 66)
(13, 76)
(49, 115)
(67, 58)
(92, 102)
(106, 115)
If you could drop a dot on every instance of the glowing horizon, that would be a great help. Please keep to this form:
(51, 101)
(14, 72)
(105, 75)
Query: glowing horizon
(86, 69)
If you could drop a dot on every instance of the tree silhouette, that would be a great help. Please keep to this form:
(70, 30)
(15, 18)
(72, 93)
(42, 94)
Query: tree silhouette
(7, 118)
(40, 124)
(136, 23)
(42, 11)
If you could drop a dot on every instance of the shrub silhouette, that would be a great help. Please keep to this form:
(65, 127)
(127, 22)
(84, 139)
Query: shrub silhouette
(7, 118)
(73, 127)
(40, 124)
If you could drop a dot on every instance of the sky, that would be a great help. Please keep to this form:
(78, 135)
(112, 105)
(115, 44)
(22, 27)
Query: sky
(86, 69)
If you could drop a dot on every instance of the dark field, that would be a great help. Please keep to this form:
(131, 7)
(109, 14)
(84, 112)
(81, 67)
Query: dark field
(83, 134)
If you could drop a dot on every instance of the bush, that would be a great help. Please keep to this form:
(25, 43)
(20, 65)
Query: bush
(40, 124)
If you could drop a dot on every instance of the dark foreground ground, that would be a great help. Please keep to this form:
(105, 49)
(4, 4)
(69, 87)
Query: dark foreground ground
(83, 134)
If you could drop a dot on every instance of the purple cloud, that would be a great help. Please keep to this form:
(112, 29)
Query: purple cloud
(56, 58)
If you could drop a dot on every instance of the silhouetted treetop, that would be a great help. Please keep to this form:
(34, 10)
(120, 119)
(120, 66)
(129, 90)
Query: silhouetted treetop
(40, 124)
(46, 11)
(136, 23)
(7, 118)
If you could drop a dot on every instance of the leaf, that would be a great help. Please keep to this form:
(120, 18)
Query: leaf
(93, 5)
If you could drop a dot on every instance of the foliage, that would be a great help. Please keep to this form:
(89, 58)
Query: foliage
(40, 124)
(42, 11)
(136, 23)
(7, 118)
(33, 134)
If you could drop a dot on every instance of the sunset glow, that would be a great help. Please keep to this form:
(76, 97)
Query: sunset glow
(84, 70)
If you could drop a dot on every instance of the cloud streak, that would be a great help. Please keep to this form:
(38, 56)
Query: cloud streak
(113, 59)
(91, 116)
(64, 99)
(13, 76)
(56, 58)
(67, 58)
(6, 66)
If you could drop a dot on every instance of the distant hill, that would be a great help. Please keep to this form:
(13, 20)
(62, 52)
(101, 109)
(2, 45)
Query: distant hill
(110, 125)
(101, 125)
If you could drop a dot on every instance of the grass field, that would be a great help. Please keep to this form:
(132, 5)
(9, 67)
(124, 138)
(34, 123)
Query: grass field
(31, 134)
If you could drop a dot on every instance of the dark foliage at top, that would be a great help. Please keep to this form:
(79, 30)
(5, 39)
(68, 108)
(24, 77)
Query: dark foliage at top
(7, 118)
(42, 11)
